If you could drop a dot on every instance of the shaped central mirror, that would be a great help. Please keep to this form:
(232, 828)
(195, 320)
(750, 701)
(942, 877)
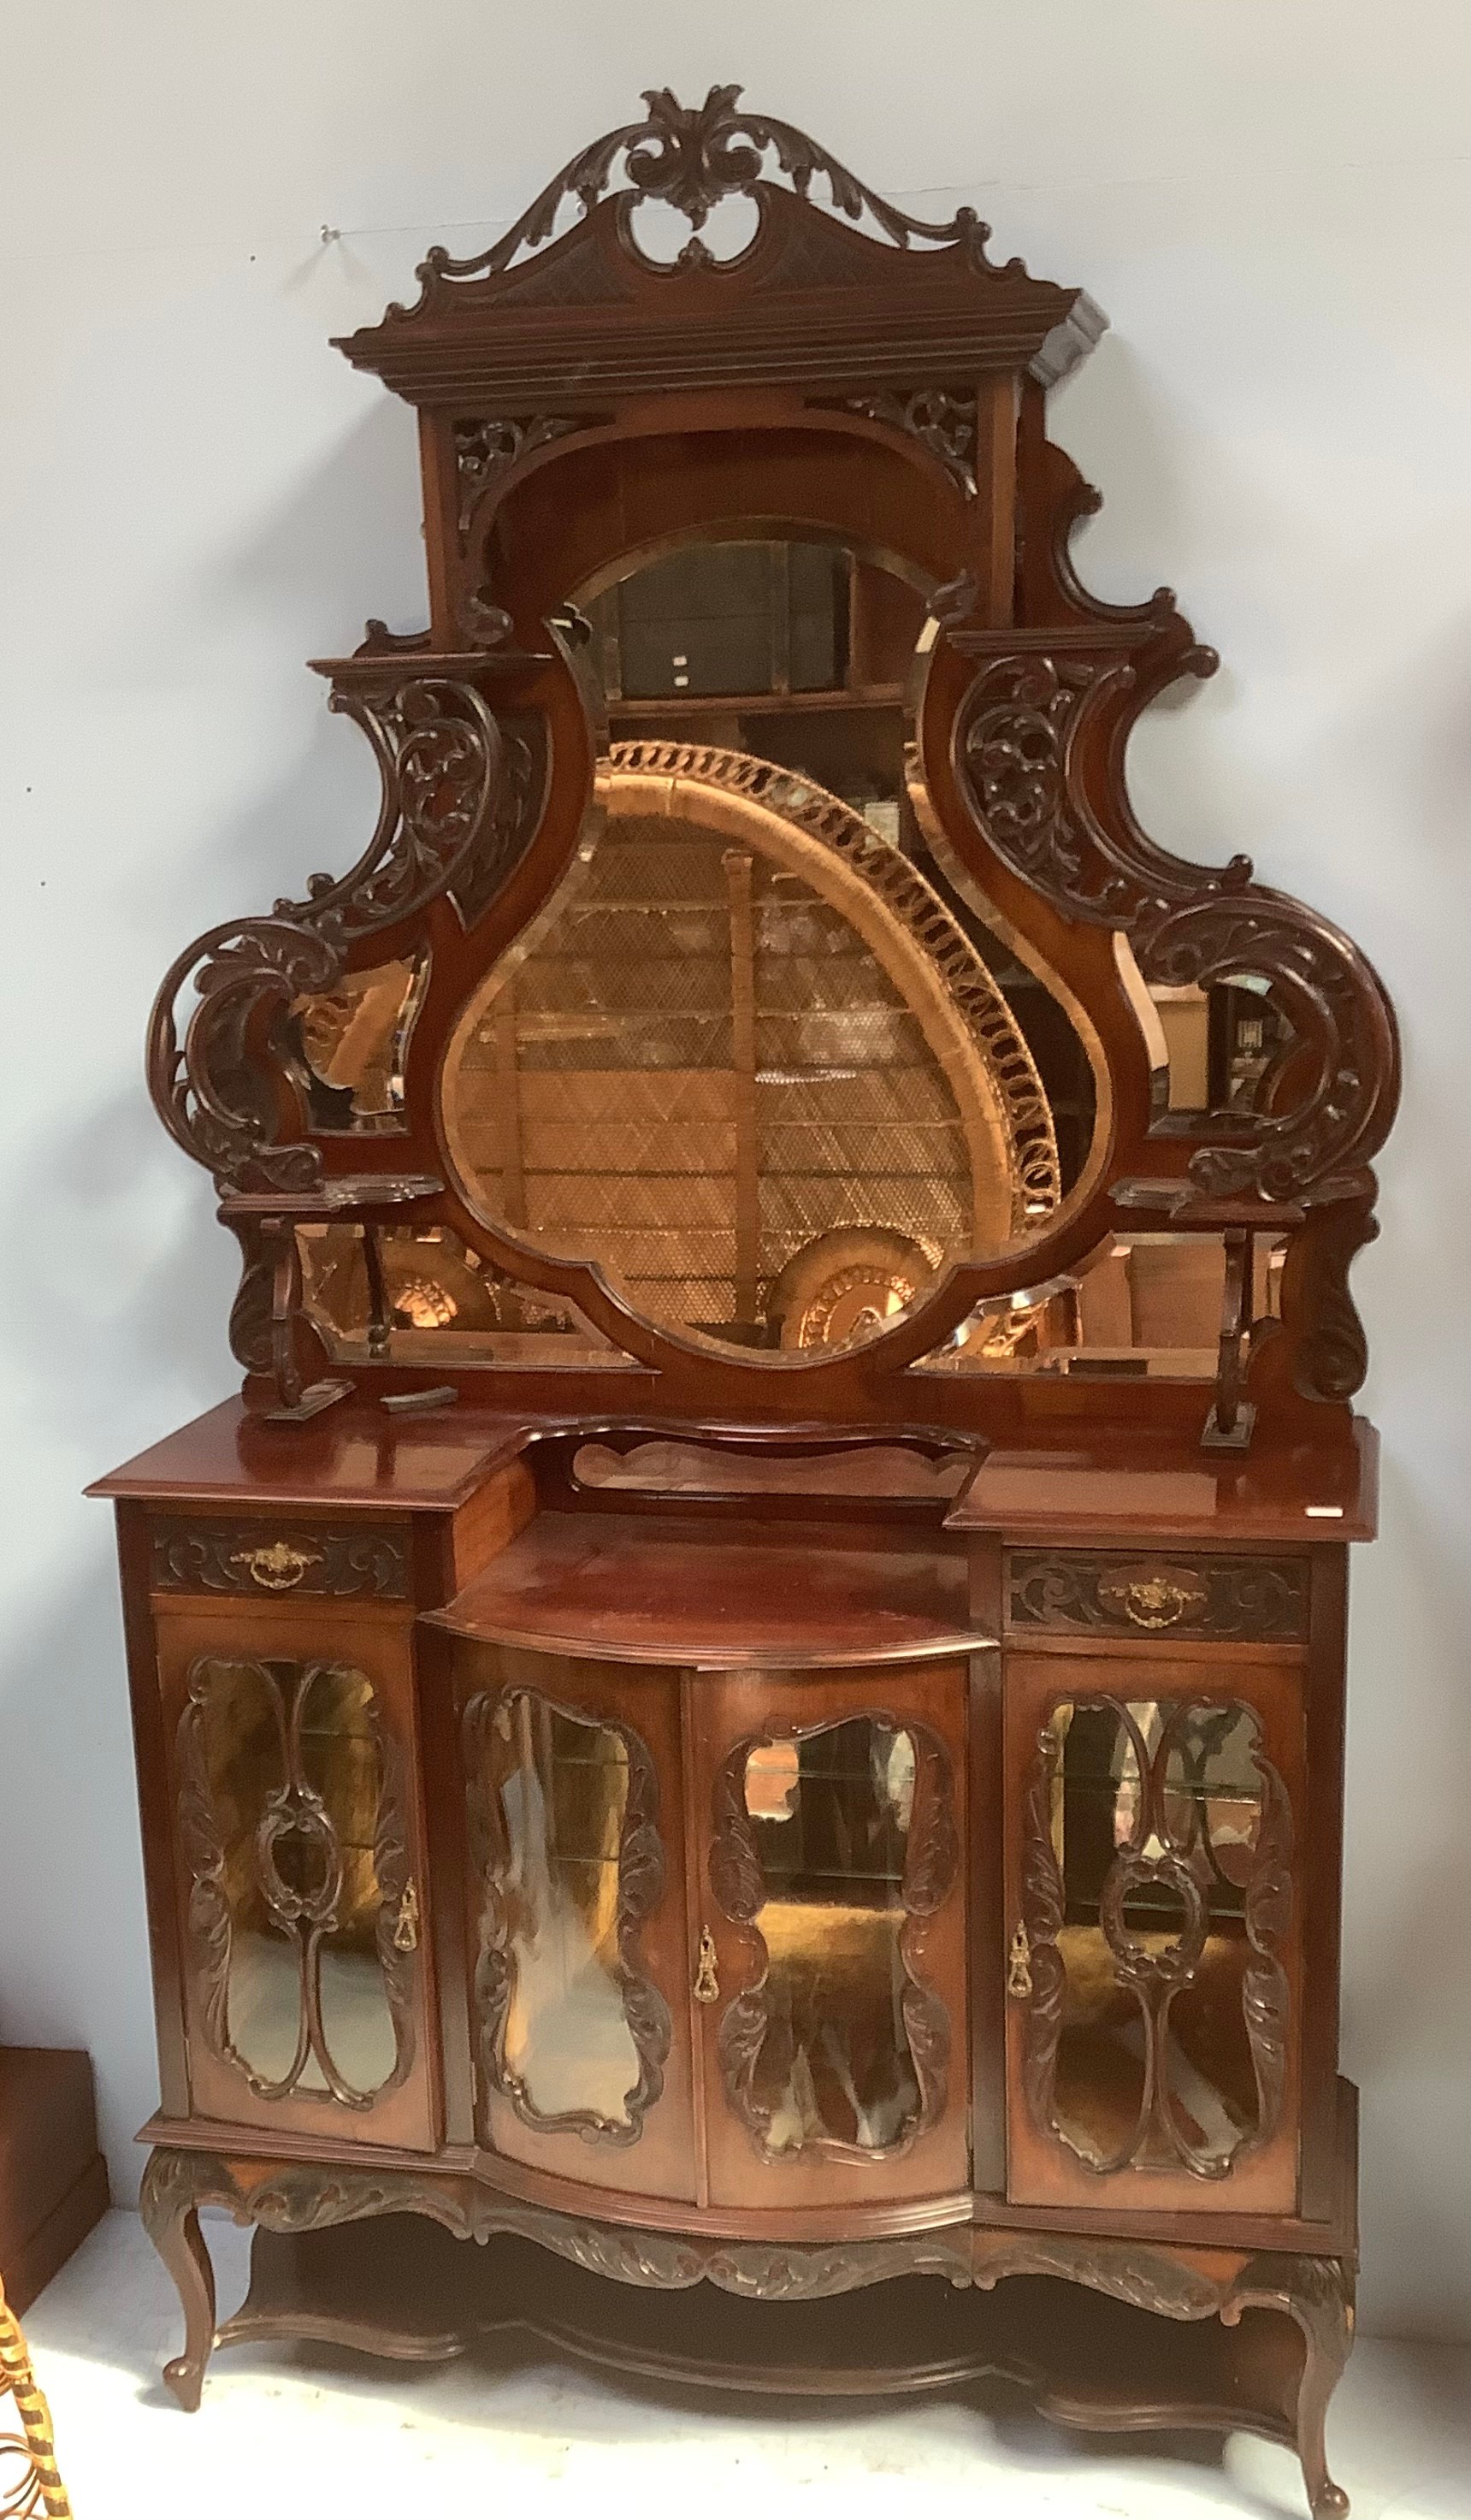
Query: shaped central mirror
(754, 1057)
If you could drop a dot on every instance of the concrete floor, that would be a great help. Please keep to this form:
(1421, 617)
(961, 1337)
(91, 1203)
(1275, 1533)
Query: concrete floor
(303, 2434)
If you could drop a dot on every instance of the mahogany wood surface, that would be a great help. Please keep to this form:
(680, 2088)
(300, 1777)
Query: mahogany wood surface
(354, 1458)
(637, 1591)
(759, 1543)
(1108, 1487)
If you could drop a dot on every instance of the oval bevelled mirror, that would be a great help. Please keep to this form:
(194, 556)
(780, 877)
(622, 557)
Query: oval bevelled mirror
(753, 1058)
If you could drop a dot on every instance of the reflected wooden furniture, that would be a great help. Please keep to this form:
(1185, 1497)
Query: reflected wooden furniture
(53, 2178)
(750, 1700)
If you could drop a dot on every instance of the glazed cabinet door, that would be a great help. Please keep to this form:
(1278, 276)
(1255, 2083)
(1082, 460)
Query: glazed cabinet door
(829, 1960)
(307, 2001)
(1155, 1966)
(576, 1928)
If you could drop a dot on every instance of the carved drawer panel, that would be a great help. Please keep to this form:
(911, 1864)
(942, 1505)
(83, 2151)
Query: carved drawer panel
(1073, 1592)
(369, 1562)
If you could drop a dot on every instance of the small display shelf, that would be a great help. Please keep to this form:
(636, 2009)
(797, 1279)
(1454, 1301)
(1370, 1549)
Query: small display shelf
(631, 1588)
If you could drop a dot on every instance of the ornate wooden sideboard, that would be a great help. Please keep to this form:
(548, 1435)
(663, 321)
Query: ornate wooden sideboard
(752, 1693)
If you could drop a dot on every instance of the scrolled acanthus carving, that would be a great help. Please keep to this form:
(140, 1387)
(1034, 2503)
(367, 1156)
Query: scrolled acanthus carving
(446, 770)
(695, 156)
(485, 448)
(1018, 742)
(943, 421)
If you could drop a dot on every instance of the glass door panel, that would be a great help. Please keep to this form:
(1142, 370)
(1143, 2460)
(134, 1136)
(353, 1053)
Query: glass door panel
(300, 1888)
(833, 1970)
(1152, 2031)
(559, 1787)
(579, 1995)
(823, 2057)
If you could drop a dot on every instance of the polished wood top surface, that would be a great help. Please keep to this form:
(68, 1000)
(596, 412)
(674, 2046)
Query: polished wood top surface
(352, 1456)
(1108, 1487)
(631, 1588)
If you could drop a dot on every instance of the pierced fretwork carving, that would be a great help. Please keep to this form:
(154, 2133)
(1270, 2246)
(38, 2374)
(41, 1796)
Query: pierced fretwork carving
(640, 1886)
(738, 1882)
(1020, 741)
(308, 1901)
(693, 156)
(196, 1557)
(942, 419)
(485, 448)
(1218, 1597)
(440, 828)
(1158, 1970)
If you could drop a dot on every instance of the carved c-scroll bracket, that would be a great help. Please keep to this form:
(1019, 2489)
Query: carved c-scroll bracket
(1025, 740)
(451, 819)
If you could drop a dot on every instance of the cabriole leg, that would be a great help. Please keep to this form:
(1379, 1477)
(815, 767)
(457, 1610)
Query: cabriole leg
(1322, 2304)
(169, 2207)
(1319, 2294)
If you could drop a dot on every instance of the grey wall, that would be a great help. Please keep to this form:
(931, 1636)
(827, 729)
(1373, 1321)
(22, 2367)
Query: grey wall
(1269, 198)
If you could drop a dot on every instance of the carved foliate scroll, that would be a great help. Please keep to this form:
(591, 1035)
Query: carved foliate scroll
(452, 820)
(1021, 739)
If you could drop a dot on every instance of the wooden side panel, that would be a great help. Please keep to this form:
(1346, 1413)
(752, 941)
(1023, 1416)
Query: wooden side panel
(495, 1513)
(777, 2022)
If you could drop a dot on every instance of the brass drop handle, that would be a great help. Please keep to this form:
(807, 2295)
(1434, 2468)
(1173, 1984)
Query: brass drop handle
(279, 1567)
(1019, 1970)
(706, 1981)
(406, 1931)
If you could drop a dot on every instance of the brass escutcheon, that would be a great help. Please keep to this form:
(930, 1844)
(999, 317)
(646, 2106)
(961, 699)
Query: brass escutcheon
(706, 1981)
(1157, 1599)
(406, 1931)
(1019, 1970)
(278, 1568)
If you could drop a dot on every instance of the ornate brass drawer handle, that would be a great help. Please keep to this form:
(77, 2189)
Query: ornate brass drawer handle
(706, 1980)
(1019, 1967)
(278, 1568)
(406, 1931)
(1156, 1601)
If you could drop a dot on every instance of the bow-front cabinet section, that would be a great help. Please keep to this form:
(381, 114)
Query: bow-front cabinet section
(748, 1703)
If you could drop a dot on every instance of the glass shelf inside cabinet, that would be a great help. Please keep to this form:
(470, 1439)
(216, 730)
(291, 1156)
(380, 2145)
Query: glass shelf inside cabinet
(674, 1589)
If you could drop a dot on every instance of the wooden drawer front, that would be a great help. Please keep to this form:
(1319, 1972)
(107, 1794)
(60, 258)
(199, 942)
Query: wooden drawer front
(1071, 1592)
(266, 1561)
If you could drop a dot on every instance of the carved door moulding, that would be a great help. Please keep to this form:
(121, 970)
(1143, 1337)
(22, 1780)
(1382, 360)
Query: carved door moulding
(741, 1890)
(307, 1898)
(640, 1886)
(1155, 1901)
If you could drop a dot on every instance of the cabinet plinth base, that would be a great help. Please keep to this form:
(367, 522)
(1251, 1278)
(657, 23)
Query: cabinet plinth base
(1104, 2335)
